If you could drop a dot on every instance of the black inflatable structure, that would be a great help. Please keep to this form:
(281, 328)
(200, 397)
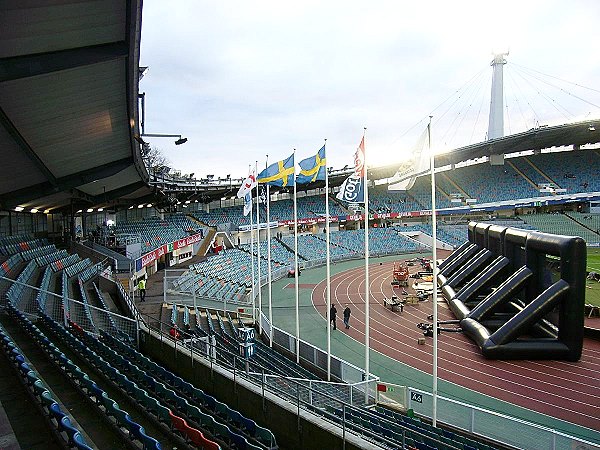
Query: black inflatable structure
(518, 294)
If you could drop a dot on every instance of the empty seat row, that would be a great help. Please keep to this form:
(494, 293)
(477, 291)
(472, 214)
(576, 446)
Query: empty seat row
(155, 375)
(120, 417)
(146, 401)
(60, 419)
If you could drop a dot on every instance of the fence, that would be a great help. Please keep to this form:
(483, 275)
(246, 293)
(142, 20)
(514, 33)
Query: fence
(340, 369)
(492, 425)
(334, 402)
(32, 300)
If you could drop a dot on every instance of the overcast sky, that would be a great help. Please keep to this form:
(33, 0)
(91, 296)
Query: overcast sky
(245, 79)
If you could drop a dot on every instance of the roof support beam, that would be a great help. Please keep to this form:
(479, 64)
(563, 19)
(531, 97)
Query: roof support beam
(120, 192)
(25, 147)
(12, 199)
(26, 66)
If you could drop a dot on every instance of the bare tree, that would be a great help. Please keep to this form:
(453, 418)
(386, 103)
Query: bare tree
(155, 159)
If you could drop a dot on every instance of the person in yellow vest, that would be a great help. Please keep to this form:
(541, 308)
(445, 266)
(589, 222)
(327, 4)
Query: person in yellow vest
(142, 289)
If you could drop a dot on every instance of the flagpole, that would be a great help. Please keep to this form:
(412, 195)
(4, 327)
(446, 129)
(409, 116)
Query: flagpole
(367, 319)
(258, 252)
(252, 255)
(328, 265)
(434, 268)
(269, 290)
(296, 265)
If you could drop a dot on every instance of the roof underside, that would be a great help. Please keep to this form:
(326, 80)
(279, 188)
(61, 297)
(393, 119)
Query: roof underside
(68, 101)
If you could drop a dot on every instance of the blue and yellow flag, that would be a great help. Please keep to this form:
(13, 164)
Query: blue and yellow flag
(313, 168)
(280, 173)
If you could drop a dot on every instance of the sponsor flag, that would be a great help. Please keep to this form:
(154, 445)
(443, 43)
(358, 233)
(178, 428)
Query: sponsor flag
(359, 159)
(312, 168)
(247, 186)
(352, 190)
(280, 173)
(247, 203)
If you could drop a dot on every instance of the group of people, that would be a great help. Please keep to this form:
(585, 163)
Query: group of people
(176, 334)
(333, 316)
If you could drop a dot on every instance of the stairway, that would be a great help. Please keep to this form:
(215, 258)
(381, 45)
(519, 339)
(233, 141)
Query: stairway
(447, 178)
(522, 175)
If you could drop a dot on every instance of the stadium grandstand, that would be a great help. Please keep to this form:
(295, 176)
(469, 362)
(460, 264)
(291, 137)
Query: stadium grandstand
(140, 308)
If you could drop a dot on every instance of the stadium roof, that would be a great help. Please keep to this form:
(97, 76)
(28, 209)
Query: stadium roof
(68, 103)
(543, 137)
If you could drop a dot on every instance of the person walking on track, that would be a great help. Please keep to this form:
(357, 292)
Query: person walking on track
(347, 317)
(332, 316)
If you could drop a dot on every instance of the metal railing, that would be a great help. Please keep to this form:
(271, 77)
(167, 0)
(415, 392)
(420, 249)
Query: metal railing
(32, 300)
(492, 425)
(338, 403)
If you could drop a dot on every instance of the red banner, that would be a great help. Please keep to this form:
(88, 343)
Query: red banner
(187, 241)
(361, 217)
(308, 221)
(149, 258)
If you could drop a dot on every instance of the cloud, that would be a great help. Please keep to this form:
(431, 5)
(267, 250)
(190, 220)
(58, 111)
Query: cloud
(246, 79)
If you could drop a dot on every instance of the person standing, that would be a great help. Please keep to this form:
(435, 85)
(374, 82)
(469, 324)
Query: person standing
(347, 317)
(332, 316)
(142, 289)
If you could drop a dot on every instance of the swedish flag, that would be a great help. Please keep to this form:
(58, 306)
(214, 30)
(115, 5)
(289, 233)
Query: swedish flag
(280, 173)
(313, 168)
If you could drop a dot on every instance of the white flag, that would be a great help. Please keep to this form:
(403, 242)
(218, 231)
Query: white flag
(405, 177)
(247, 203)
(247, 186)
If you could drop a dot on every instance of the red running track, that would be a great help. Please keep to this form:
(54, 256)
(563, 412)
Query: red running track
(561, 389)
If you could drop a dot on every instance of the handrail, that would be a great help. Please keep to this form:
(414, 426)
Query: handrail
(259, 380)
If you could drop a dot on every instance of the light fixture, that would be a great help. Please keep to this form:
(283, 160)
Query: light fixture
(34, 210)
(180, 140)
(19, 208)
(131, 207)
(110, 222)
(90, 210)
(46, 211)
(187, 202)
(149, 205)
(100, 209)
(78, 212)
(140, 206)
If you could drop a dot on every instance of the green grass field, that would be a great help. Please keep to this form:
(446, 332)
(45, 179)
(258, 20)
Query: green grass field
(592, 291)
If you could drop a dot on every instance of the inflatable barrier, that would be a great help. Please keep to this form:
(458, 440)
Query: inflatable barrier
(518, 294)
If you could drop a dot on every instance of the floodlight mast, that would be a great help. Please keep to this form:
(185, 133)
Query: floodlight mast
(496, 121)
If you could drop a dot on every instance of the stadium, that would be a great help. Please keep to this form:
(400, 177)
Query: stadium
(145, 308)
